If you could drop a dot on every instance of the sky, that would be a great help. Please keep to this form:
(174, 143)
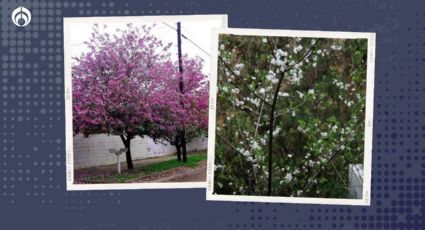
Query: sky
(198, 32)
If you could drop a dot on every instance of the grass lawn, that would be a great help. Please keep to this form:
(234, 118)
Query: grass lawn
(148, 170)
(192, 161)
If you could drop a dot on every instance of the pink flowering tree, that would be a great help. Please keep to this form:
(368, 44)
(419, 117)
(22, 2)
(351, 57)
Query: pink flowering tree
(127, 85)
(118, 84)
(189, 112)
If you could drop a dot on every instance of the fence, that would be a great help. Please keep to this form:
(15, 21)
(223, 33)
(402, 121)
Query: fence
(94, 150)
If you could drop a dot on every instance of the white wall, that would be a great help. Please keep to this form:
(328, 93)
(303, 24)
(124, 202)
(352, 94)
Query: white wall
(94, 150)
(355, 174)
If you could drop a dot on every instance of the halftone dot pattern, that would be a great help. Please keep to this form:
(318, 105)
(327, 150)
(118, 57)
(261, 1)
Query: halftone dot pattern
(32, 165)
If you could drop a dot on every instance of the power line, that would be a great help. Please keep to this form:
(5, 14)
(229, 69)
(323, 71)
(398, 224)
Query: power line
(188, 39)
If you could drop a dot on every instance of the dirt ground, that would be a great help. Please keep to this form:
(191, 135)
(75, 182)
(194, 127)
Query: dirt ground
(200, 174)
(179, 174)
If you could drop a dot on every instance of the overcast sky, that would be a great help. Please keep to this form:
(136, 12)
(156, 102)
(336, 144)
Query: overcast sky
(198, 32)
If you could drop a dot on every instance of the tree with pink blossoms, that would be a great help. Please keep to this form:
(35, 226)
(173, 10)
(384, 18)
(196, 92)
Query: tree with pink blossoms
(190, 114)
(126, 85)
(119, 83)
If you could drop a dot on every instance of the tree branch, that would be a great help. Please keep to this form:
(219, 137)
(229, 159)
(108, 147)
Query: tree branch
(310, 181)
(242, 81)
(228, 143)
(272, 118)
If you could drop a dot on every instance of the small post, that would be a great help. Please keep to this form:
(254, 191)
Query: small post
(118, 153)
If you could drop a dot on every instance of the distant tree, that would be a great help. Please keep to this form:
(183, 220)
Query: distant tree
(190, 112)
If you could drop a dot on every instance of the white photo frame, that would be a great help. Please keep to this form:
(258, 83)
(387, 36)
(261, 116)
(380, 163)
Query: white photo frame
(367, 164)
(67, 22)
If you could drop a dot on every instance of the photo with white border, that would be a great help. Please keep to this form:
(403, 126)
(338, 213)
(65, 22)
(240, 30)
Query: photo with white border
(97, 152)
(242, 47)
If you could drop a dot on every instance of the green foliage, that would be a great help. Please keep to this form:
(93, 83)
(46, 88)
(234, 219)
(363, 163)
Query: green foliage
(318, 124)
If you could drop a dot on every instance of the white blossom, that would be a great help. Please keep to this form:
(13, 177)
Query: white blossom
(216, 167)
(283, 94)
(238, 102)
(324, 134)
(254, 145)
(235, 91)
(262, 91)
(270, 76)
(288, 177)
(311, 91)
(239, 66)
(276, 131)
(336, 47)
(279, 52)
(301, 95)
(297, 49)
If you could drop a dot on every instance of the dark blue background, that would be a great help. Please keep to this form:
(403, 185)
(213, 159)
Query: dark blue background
(32, 127)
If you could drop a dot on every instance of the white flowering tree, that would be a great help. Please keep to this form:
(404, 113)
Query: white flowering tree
(290, 115)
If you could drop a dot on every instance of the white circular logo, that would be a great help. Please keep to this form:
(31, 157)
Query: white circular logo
(21, 16)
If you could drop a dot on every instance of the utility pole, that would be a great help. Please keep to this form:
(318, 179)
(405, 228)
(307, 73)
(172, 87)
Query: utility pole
(181, 87)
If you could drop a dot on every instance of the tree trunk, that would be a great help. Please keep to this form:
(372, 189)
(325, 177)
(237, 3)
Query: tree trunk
(128, 156)
(183, 146)
(127, 143)
(179, 152)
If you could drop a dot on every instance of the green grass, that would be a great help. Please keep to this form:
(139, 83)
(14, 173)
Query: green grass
(116, 178)
(192, 161)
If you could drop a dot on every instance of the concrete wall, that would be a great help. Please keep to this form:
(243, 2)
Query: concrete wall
(94, 150)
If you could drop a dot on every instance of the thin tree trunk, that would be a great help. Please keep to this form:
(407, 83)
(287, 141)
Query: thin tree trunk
(179, 152)
(272, 120)
(178, 147)
(128, 156)
(183, 145)
(270, 145)
(127, 144)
